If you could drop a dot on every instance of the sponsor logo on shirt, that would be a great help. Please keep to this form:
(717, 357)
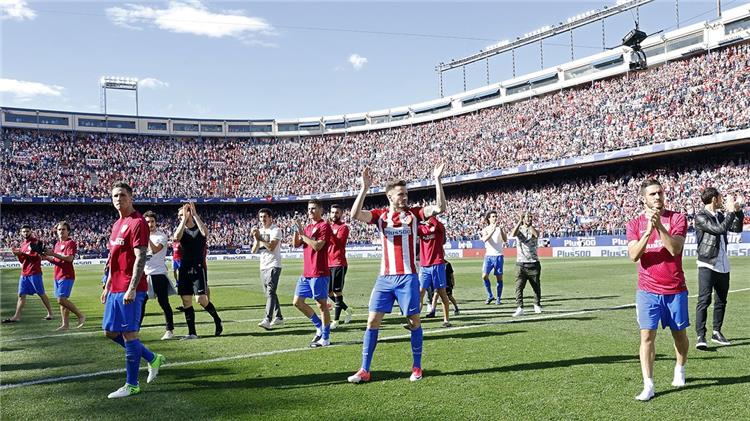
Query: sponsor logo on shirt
(118, 242)
(393, 232)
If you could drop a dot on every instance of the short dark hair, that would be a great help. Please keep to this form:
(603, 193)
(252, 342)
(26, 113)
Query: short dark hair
(393, 184)
(266, 211)
(708, 195)
(63, 223)
(149, 214)
(315, 202)
(26, 226)
(487, 215)
(336, 206)
(648, 183)
(123, 185)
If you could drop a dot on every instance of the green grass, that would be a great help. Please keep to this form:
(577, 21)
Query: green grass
(577, 361)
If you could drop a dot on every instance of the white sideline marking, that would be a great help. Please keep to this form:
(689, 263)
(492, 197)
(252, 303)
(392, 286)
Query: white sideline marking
(285, 351)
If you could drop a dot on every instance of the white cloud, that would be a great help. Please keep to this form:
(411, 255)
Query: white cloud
(24, 90)
(16, 9)
(357, 61)
(152, 83)
(190, 17)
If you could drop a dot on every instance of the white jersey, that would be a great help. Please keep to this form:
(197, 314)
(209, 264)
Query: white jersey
(494, 246)
(270, 259)
(155, 264)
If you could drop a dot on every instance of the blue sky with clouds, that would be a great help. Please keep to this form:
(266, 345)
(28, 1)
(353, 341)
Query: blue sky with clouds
(282, 59)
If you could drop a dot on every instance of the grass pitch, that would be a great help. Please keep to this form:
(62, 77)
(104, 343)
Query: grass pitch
(577, 360)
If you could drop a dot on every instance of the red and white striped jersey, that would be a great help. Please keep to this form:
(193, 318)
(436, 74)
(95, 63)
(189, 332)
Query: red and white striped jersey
(398, 237)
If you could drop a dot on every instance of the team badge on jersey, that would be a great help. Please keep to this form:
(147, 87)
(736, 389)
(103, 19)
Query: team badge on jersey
(123, 228)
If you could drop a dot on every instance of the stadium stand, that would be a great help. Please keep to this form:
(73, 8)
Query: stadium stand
(706, 94)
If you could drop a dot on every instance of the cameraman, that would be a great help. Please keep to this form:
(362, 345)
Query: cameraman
(711, 227)
(30, 283)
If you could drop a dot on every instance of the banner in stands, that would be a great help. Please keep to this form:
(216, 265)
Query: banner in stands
(530, 167)
(597, 246)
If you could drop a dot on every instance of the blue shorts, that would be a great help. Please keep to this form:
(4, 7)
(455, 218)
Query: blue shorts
(493, 263)
(176, 264)
(121, 317)
(30, 285)
(671, 309)
(432, 276)
(63, 288)
(316, 288)
(403, 288)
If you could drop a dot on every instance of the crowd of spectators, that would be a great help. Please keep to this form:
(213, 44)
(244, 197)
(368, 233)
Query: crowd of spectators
(705, 94)
(597, 203)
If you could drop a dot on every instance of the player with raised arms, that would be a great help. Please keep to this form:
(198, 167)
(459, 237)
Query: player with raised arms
(398, 280)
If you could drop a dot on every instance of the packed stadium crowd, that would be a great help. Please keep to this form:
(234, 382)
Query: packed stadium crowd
(705, 94)
(563, 206)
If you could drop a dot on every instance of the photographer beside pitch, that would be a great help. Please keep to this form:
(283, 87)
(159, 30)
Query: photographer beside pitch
(655, 240)
(711, 227)
(30, 282)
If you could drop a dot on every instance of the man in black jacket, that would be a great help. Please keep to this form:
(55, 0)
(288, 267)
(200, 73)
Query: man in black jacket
(711, 227)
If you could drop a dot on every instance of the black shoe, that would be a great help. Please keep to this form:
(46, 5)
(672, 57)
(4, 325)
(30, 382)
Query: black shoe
(430, 315)
(219, 328)
(407, 326)
(718, 338)
(701, 343)
(180, 308)
(490, 300)
(457, 312)
(316, 338)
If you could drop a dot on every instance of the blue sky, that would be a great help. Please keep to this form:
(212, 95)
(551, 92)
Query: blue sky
(282, 59)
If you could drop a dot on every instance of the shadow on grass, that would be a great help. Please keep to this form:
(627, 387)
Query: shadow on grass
(555, 299)
(703, 382)
(186, 378)
(455, 335)
(273, 332)
(490, 320)
(195, 378)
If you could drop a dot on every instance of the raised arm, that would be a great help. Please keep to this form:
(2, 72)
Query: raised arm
(62, 257)
(259, 242)
(300, 238)
(516, 232)
(154, 247)
(183, 222)
(709, 225)
(440, 204)
(357, 212)
(637, 247)
(201, 226)
(488, 231)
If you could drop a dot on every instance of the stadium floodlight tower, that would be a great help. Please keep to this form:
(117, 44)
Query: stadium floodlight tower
(118, 83)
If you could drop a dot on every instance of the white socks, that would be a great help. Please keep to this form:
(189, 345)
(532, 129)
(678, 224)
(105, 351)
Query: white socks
(648, 384)
(648, 390)
(679, 376)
